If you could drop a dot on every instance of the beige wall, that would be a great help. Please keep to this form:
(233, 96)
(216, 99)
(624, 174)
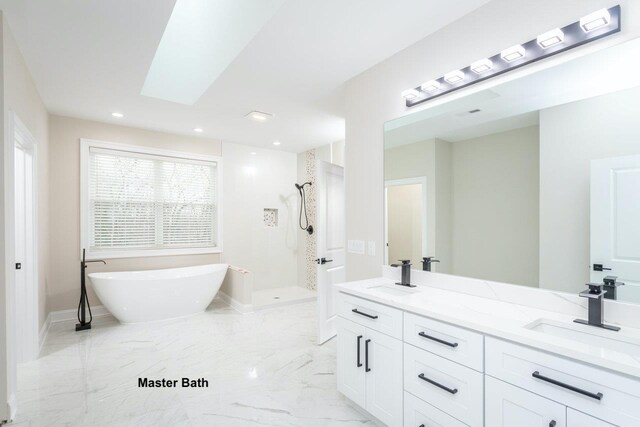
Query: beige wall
(571, 135)
(495, 207)
(373, 97)
(64, 190)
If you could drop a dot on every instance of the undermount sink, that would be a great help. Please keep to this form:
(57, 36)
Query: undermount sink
(396, 291)
(626, 340)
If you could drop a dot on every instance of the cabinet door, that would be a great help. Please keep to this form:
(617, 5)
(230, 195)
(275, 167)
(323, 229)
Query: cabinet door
(509, 406)
(578, 419)
(350, 360)
(383, 358)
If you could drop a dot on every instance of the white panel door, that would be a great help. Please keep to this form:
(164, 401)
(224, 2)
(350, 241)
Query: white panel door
(578, 419)
(26, 298)
(383, 360)
(330, 244)
(615, 222)
(350, 360)
(510, 406)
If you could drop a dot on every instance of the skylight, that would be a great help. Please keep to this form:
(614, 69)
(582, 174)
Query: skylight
(201, 39)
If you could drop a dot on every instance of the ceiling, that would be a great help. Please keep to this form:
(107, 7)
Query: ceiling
(91, 58)
(516, 104)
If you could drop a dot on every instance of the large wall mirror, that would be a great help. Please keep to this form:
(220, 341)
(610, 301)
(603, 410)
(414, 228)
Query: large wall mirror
(533, 182)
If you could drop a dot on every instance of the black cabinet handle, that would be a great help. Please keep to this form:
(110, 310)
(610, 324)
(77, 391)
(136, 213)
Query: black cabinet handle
(450, 344)
(443, 387)
(552, 423)
(355, 310)
(358, 364)
(366, 356)
(597, 396)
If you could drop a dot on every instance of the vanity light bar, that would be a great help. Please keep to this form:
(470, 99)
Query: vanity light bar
(589, 28)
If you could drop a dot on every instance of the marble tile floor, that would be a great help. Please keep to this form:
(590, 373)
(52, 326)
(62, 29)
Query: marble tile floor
(263, 368)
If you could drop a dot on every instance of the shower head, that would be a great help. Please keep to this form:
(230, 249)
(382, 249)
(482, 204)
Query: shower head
(300, 187)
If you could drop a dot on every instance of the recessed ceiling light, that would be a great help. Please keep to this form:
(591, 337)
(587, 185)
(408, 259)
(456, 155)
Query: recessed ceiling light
(410, 94)
(513, 53)
(118, 115)
(454, 76)
(430, 86)
(595, 20)
(550, 38)
(259, 116)
(253, 153)
(276, 142)
(199, 130)
(482, 66)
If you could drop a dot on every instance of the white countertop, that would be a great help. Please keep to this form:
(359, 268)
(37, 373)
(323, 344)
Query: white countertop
(502, 320)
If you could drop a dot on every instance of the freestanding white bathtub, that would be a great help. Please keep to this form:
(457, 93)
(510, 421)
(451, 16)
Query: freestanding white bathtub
(146, 296)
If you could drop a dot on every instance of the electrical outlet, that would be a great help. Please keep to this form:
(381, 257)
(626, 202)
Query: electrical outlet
(355, 247)
(371, 248)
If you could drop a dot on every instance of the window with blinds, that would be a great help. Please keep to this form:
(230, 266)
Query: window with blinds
(139, 203)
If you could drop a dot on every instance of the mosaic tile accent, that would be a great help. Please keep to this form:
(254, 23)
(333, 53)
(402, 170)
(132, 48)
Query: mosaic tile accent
(310, 240)
(270, 217)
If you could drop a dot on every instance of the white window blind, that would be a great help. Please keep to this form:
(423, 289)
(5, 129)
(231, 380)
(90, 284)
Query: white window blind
(146, 202)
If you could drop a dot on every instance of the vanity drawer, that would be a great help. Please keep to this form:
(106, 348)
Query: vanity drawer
(612, 397)
(450, 342)
(420, 413)
(375, 316)
(449, 386)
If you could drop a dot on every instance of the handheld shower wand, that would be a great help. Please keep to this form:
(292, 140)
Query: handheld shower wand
(303, 207)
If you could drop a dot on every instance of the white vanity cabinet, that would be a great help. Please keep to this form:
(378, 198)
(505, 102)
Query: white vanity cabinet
(369, 365)
(424, 372)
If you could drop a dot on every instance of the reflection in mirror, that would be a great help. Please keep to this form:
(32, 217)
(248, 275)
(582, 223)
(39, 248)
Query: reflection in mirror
(533, 182)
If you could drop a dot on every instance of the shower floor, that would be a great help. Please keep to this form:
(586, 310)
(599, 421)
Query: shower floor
(268, 298)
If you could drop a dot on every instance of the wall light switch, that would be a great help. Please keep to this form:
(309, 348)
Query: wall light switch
(371, 248)
(355, 247)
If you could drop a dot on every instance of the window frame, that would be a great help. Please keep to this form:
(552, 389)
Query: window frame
(86, 145)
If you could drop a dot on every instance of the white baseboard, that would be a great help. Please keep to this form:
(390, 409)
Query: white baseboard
(235, 304)
(12, 404)
(44, 331)
(72, 314)
(65, 316)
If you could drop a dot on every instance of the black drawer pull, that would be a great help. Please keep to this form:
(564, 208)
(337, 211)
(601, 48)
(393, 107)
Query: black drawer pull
(366, 356)
(355, 310)
(445, 388)
(450, 344)
(552, 423)
(358, 364)
(597, 396)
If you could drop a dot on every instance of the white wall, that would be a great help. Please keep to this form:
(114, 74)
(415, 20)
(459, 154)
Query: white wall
(373, 97)
(495, 207)
(20, 96)
(252, 183)
(571, 135)
(64, 190)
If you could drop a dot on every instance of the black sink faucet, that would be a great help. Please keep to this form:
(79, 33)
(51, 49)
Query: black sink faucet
(427, 261)
(595, 295)
(611, 287)
(406, 273)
